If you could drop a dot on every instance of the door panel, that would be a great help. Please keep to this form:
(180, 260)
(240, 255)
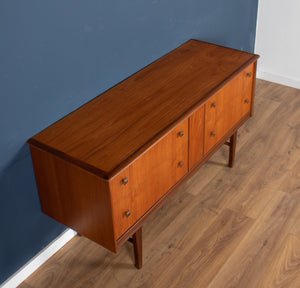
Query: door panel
(227, 107)
(137, 188)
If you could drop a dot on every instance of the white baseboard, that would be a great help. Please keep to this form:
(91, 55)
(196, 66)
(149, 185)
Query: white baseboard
(33, 264)
(295, 83)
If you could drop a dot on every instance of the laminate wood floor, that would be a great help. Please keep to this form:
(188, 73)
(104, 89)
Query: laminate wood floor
(225, 227)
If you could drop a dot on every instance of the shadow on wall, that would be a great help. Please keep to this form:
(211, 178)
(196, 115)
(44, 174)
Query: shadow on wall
(21, 202)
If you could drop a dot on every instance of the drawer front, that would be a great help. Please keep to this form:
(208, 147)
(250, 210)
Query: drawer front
(138, 187)
(227, 107)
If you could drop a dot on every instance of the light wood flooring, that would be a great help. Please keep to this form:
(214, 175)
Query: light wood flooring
(225, 227)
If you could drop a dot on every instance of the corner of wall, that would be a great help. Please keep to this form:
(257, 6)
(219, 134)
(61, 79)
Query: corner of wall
(32, 265)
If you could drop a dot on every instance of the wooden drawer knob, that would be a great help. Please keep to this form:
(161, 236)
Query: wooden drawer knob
(128, 213)
(180, 164)
(214, 104)
(213, 133)
(249, 74)
(247, 100)
(181, 134)
(124, 181)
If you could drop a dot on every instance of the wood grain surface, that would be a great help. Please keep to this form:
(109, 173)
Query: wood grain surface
(74, 197)
(227, 107)
(149, 178)
(196, 136)
(225, 227)
(104, 135)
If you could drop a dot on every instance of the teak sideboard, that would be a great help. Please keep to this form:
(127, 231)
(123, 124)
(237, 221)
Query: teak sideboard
(106, 167)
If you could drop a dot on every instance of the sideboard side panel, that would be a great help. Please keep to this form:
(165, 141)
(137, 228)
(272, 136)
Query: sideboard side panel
(74, 197)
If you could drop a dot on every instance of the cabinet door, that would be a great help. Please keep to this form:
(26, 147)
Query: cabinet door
(137, 188)
(227, 107)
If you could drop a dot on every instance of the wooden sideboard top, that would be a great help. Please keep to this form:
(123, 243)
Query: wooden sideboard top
(106, 134)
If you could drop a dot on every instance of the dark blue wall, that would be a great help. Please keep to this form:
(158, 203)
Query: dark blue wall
(56, 55)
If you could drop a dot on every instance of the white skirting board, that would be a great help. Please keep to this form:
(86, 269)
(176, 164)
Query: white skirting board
(32, 265)
(295, 83)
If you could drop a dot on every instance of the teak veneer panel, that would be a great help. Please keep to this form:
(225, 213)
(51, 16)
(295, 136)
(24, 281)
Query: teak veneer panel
(149, 178)
(196, 136)
(227, 107)
(107, 133)
(74, 197)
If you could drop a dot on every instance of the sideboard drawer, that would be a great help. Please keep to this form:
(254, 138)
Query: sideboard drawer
(106, 167)
(138, 187)
(227, 107)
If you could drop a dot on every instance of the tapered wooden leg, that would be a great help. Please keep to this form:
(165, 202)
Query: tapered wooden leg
(138, 249)
(232, 149)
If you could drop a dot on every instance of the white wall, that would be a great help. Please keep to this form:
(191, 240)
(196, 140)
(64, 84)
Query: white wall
(278, 41)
